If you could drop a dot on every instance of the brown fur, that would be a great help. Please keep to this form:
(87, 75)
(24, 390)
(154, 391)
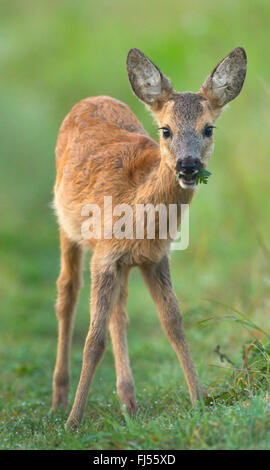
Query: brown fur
(103, 150)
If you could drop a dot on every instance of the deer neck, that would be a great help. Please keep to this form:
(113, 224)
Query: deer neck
(162, 187)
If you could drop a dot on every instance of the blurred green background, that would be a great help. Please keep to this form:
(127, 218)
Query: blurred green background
(54, 54)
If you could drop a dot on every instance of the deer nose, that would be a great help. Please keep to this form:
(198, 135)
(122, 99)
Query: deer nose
(188, 165)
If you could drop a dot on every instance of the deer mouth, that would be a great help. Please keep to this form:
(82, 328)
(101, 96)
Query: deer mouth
(187, 180)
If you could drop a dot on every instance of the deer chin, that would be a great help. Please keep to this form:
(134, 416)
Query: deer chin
(187, 182)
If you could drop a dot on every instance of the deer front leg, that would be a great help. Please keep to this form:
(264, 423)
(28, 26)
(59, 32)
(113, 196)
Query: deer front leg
(68, 285)
(118, 330)
(104, 288)
(158, 280)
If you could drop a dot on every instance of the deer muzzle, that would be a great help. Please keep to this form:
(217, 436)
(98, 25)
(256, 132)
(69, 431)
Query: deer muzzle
(187, 169)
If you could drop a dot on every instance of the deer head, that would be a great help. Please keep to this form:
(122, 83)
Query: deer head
(186, 120)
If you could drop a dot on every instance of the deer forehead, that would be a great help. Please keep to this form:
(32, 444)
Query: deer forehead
(189, 111)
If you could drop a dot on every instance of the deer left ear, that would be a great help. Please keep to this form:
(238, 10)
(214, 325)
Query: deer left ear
(227, 79)
(147, 81)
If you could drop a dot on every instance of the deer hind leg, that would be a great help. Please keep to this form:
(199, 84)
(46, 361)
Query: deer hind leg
(68, 285)
(104, 290)
(157, 278)
(118, 331)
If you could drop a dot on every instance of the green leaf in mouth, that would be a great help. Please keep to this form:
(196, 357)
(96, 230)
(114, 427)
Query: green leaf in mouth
(201, 177)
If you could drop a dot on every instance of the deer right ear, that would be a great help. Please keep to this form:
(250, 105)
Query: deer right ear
(227, 79)
(147, 81)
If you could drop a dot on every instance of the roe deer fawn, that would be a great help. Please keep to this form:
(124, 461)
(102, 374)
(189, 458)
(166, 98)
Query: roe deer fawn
(103, 150)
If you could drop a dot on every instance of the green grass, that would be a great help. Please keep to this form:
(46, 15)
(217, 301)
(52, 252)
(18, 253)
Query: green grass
(52, 55)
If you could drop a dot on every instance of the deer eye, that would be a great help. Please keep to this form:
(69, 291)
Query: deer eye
(208, 131)
(166, 132)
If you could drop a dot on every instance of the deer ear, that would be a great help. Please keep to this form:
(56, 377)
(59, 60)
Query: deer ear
(147, 81)
(227, 79)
